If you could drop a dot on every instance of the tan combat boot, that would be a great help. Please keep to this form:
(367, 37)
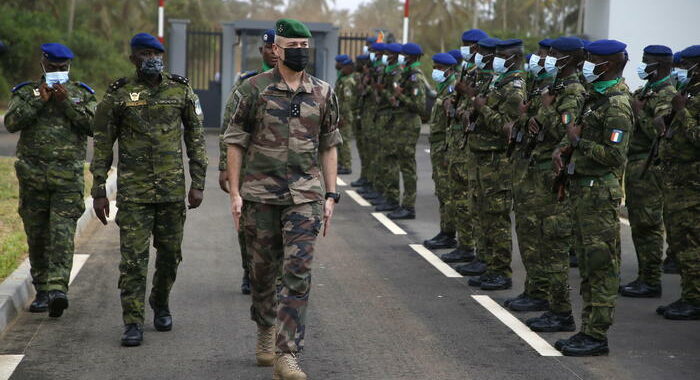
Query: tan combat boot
(287, 368)
(265, 348)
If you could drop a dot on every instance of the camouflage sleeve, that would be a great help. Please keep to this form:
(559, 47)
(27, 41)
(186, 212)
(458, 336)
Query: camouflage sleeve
(662, 102)
(194, 139)
(81, 114)
(566, 110)
(23, 110)
(240, 124)
(222, 130)
(686, 121)
(413, 96)
(508, 111)
(611, 153)
(330, 134)
(106, 129)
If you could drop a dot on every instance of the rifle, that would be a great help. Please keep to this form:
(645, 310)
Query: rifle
(665, 133)
(517, 136)
(471, 116)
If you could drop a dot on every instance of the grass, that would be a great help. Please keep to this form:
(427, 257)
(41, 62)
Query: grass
(13, 241)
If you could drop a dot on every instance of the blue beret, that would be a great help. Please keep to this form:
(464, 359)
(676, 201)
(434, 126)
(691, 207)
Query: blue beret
(444, 59)
(488, 42)
(411, 49)
(347, 61)
(269, 36)
(567, 44)
(456, 54)
(56, 52)
(547, 42)
(472, 35)
(394, 47)
(691, 52)
(371, 39)
(658, 50)
(513, 42)
(677, 57)
(527, 57)
(606, 47)
(340, 58)
(585, 43)
(379, 46)
(146, 41)
(362, 57)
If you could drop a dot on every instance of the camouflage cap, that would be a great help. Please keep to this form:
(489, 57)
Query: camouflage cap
(290, 28)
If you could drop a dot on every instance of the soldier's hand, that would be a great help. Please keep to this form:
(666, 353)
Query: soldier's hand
(223, 180)
(194, 198)
(573, 132)
(328, 214)
(60, 93)
(532, 126)
(398, 90)
(660, 125)
(236, 210)
(101, 207)
(461, 87)
(678, 102)
(637, 106)
(557, 162)
(547, 99)
(479, 102)
(508, 130)
(45, 92)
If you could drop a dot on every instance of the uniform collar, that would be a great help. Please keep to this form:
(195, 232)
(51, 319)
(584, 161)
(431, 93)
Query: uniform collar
(304, 86)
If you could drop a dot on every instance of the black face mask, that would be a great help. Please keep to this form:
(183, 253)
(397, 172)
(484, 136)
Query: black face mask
(296, 58)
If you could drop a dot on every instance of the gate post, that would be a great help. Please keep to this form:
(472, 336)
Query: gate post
(228, 40)
(177, 49)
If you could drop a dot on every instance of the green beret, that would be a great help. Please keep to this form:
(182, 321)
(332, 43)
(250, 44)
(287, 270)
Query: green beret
(290, 28)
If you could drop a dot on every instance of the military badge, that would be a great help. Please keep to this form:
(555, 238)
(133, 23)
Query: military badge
(616, 136)
(135, 96)
(566, 118)
(36, 92)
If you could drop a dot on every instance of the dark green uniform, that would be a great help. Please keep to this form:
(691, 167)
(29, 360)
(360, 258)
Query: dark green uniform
(345, 88)
(51, 157)
(151, 179)
(369, 122)
(385, 125)
(439, 123)
(357, 130)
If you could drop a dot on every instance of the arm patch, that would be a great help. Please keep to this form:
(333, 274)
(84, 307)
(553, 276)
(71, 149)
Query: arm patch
(119, 83)
(85, 86)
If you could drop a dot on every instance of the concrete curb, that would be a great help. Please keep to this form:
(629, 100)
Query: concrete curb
(16, 291)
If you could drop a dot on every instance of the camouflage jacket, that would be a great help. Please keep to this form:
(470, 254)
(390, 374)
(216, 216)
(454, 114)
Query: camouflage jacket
(390, 78)
(413, 97)
(439, 120)
(345, 90)
(502, 106)
(681, 143)
(605, 134)
(456, 132)
(656, 98)
(282, 132)
(570, 96)
(147, 122)
(51, 131)
(223, 164)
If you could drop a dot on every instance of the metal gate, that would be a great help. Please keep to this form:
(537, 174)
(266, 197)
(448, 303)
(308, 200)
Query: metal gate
(351, 44)
(203, 68)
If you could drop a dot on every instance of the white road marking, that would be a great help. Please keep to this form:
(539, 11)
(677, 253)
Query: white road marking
(78, 262)
(396, 230)
(625, 221)
(427, 151)
(434, 260)
(357, 198)
(530, 337)
(8, 364)
(340, 182)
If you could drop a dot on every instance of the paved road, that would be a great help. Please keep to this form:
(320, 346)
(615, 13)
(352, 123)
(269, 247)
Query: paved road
(378, 311)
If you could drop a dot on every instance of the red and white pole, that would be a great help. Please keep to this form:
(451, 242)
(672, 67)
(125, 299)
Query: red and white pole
(161, 20)
(405, 21)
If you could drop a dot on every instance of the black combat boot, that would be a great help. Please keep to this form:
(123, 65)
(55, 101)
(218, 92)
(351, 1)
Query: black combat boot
(133, 335)
(40, 303)
(359, 183)
(552, 322)
(560, 343)
(441, 240)
(162, 319)
(586, 346)
(662, 309)
(670, 266)
(460, 255)
(640, 289)
(402, 213)
(573, 259)
(509, 300)
(682, 311)
(475, 268)
(378, 200)
(245, 283)
(496, 282)
(387, 206)
(476, 280)
(529, 304)
(58, 301)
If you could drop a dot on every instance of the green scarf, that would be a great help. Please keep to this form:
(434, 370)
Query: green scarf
(412, 65)
(265, 67)
(657, 83)
(603, 86)
(447, 81)
(390, 68)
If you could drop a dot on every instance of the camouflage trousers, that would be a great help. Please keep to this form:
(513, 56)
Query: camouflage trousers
(545, 234)
(282, 236)
(460, 201)
(344, 153)
(245, 257)
(441, 178)
(371, 142)
(137, 222)
(385, 145)
(50, 204)
(682, 201)
(401, 158)
(644, 203)
(361, 145)
(595, 204)
(491, 202)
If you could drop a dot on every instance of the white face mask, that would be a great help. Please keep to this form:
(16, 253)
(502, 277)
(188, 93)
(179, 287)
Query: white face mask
(466, 52)
(589, 71)
(365, 49)
(550, 65)
(54, 77)
(438, 75)
(385, 59)
(535, 67)
(642, 70)
(478, 59)
(373, 56)
(402, 59)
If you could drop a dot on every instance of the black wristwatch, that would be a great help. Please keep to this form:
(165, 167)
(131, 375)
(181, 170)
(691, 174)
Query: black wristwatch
(335, 196)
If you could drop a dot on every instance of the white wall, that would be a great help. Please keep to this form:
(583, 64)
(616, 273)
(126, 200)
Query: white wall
(639, 23)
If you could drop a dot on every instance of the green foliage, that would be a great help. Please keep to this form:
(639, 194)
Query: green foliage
(13, 241)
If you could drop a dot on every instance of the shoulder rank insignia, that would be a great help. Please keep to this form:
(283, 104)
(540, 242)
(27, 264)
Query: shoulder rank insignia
(616, 136)
(119, 83)
(413, 78)
(247, 74)
(20, 85)
(85, 86)
(518, 83)
(180, 79)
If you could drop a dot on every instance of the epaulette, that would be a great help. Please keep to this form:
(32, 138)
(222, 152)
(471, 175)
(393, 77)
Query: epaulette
(85, 86)
(180, 78)
(247, 74)
(119, 83)
(20, 85)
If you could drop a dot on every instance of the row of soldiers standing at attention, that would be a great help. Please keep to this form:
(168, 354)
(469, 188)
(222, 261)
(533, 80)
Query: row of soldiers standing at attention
(553, 143)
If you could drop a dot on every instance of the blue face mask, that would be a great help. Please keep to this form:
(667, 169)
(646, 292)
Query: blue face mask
(589, 71)
(385, 59)
(466, 52)
(683, 77)
(479, 60)
(550, 65)
(534, 64)
(402, 59)
(642, 70)
(439, 75)
(373, 56)
(56, 77)
(499, 65)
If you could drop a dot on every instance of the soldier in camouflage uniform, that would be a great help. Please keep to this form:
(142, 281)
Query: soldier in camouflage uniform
(525, 185)
(144, 113)
(285, 123)
(54, 119)
(598, 142)
(679, 152)
(445, 77)
(361, 63)
(497, 113)
(643, 187)
(344, 88)
(458, 153)
(408, 100)
(269, 60)
(544, 225)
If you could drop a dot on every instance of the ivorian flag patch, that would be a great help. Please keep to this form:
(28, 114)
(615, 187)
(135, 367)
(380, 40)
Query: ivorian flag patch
(616, 136)
(566, 118)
